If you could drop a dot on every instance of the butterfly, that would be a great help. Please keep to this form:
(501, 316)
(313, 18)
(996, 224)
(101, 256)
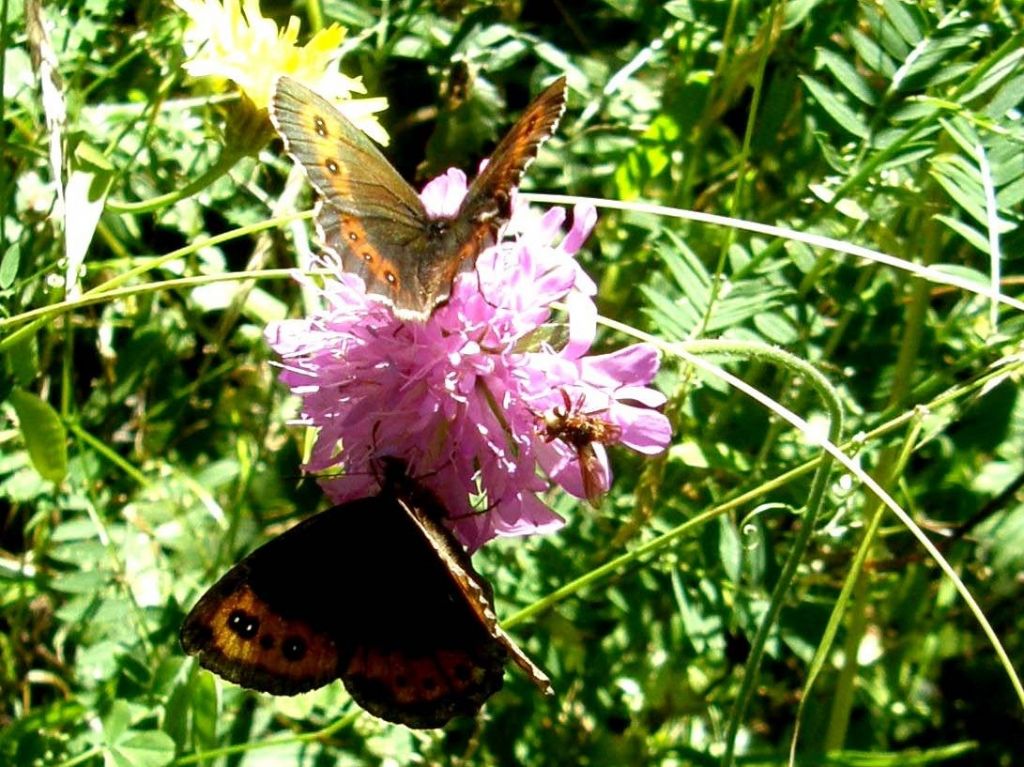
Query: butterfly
(587, 434)
(376, 592)
(374, 222)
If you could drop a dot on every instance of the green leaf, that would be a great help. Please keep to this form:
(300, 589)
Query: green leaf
(902, 18)
(1007, 97)
(116, 722)
(205, 710)
(127, 746)
(885, 33)
(674, 320)
(847, 76)
(349, 14)
(972, 235)
(930, 63)
(22, 363)
(141, 749)
(996, 74)
(775, 328)
(681, 9)
(730, 549)
(876, 59)
(964, 273)
(44, 435)
(9, 265)
(835, 108)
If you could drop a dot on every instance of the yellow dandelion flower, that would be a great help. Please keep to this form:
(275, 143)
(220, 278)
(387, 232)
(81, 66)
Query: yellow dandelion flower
(232, 40)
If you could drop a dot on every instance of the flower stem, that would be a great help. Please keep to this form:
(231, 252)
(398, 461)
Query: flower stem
(830, 398)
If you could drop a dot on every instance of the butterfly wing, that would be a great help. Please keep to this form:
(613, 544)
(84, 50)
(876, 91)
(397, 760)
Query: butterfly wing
(266, 624)
(355, 592)
(367, 215)
(487, 205)
(476, 593)
(593, 463)
(375, 223)
(487, 202)
(432, 659)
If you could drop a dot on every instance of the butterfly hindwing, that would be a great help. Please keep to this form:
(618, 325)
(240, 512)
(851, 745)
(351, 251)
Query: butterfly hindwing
(431, 658)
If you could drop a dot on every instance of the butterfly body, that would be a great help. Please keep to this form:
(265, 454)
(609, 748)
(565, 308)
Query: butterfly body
(375, 223)
(376, 592)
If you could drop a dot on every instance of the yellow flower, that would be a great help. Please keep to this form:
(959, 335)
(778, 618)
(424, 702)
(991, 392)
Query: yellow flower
(232, 40)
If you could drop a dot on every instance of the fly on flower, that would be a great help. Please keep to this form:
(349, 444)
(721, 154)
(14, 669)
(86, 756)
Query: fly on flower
(586, 433)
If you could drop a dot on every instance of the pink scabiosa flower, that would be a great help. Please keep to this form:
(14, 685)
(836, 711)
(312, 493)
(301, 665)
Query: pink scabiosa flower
(466, 398)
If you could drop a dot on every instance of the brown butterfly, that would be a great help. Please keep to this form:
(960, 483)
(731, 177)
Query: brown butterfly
(371, 219)
(587, 434)
(377, 592)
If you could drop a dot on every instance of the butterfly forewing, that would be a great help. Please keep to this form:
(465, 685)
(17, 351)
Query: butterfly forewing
(367, 215)
(489, 195)
(316, 133)
(373, 220)
(363, 592)
(487, 205)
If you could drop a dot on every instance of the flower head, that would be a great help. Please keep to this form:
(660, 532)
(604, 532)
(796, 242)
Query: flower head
(463, 397)
(233, 41)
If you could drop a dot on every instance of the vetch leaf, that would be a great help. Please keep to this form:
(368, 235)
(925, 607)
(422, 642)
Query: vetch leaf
(973, 236)
(872, 54)
(902, 19)
(847, 76)
(1006, 67)
(835, 108)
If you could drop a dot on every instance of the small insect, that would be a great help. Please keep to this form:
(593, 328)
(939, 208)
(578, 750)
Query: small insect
(587, 434)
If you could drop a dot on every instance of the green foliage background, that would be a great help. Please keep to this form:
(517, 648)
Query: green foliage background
(144, 443)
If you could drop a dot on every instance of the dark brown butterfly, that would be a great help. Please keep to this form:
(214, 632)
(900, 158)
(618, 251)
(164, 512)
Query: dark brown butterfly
(376, 592)
(587, 434)
(371, 219)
